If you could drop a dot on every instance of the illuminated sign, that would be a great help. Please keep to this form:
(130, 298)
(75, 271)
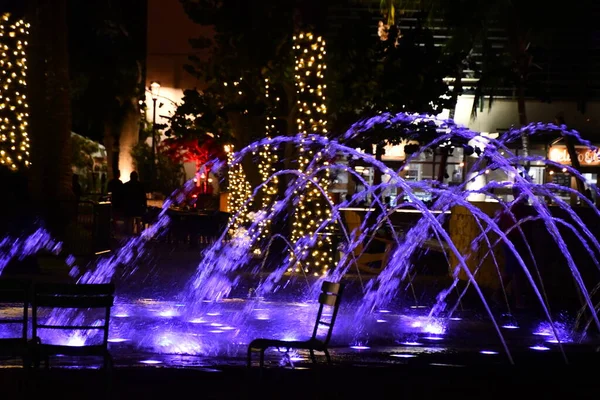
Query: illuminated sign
(585, 155)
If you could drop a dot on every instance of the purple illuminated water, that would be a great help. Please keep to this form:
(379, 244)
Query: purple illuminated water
(215, 314)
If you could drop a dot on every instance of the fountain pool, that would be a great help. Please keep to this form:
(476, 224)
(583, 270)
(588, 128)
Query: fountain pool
(213, 309)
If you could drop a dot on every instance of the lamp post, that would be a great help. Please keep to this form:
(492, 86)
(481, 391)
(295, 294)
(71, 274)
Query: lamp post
(154, 91)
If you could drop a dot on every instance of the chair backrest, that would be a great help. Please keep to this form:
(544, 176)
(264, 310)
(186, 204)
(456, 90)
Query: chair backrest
(73, 296)
(15, 291)
(353, 223)
(330, 297)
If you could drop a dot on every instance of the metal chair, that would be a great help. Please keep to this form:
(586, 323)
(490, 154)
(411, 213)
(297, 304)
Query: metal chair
(72, 296)
(14, 293)
(330, 296)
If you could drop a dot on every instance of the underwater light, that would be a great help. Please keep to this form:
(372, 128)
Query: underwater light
(510, 326)
(151, 362)
(197, 321)
(488, 352)
(117, 340)
(412, 343)
(76, 341)
(542, 333)
(360, 347)
(167, 313)
(382, 320)
(403, 355)
(540, 348)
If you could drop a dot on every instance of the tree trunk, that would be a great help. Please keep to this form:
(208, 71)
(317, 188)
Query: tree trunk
(377, 175)
(443, 163)
(523, 121)
(243, 129)
(109, 145)
(374, 216)
(456, 91)
(129, 136)
(572, 154)
(51, 172)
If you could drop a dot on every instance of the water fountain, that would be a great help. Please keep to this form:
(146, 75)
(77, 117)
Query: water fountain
(232, 299)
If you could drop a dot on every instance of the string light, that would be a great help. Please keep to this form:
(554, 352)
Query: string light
(239, 191)
(14, 110)
(267, 160)
(312, 210)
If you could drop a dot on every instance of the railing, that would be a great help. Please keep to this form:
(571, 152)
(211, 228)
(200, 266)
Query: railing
(91, 232)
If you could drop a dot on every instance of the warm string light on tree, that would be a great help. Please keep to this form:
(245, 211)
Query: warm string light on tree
(14, 112)
(239, 188)
(239, 191)
(267, 159)
(312, 210)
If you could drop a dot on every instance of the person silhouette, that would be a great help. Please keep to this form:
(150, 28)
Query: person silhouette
(134, 201)
(114, 188)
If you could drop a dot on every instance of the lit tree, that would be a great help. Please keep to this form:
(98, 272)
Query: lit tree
(268, 160)
(239, 191)
(312, 210)
(14, 109)
(203, 153)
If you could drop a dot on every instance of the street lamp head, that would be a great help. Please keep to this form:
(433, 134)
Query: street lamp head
(154, 89)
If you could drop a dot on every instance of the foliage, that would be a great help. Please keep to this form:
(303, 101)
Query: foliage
(399, 73)
(200, 152)
(366, 75)
(200, 116)
(528, 25)
(171, 174)
(82, 150)
(251, 39)
(104, 62)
